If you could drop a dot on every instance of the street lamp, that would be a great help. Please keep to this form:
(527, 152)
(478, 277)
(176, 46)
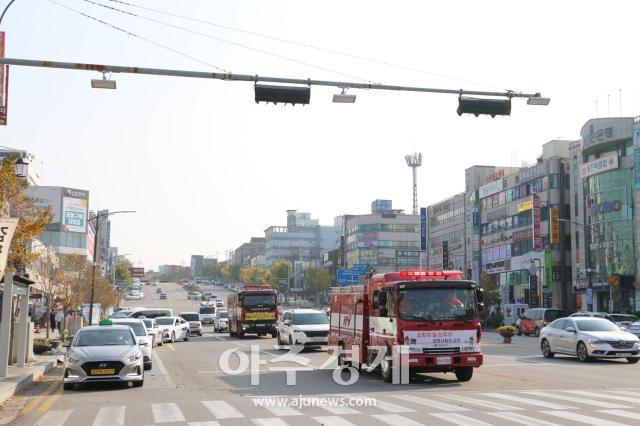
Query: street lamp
(21, 167)
(95, 255)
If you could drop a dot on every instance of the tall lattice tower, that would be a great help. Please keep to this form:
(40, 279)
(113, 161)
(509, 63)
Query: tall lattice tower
(414, 161)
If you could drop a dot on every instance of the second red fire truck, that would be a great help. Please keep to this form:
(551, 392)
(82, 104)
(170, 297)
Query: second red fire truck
(253, 310)
(434, 315)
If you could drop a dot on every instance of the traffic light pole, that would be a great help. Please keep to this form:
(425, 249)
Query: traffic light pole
(256, 78)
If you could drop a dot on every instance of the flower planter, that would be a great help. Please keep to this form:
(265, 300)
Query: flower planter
(507, 333)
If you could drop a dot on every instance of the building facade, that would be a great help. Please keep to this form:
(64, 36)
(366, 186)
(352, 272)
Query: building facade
(244, 254)
(604, 185)
(303, 239)
(197, 261)
(446, 234)
(385, 240)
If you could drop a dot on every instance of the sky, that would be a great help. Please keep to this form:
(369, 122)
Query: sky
(206, 168)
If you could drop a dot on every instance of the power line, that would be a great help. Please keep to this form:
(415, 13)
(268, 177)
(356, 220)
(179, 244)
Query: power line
(306, 45)
(139, 37)
(244, 46)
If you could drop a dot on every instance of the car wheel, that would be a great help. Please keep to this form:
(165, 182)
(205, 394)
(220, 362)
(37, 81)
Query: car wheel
(464, 374)
(161, 342)
(274, 334)
(173, 337)
(582, 353)
(200, 333)
(68, 386)
(148, 366)
(186, 336)
(633, 360)
(153, 341)
(138, 384)
(537, 333)
(545, 347)
(240, 332)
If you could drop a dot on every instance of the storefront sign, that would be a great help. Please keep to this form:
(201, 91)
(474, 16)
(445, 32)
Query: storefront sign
(636, 160)
(537, 237)
(599, 165)
(527, 234)
(589, 296)
(548, 263)
(546, 298)
(533, 291)
(499, 174)
(593, 136)
(555, 225)
(423, 228)
(491, 188)
(4, 84)
(531, 173)
(523, 207)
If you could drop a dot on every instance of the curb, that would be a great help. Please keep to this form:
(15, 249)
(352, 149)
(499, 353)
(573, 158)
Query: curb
(24, 381)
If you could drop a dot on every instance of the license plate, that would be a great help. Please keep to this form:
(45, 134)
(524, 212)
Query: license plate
(623, 354)
(318, 339)
(102, 371)
(443, 360)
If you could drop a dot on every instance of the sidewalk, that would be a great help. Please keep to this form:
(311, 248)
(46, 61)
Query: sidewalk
(19, 379)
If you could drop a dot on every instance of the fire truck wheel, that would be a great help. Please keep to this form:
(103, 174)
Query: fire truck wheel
(240, 332)
(464, 374)
(274, 334)
(341, 361)
(386, 370)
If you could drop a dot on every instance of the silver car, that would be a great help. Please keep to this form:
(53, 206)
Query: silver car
(153, 331)
(144, 340)
(193, 318)
(103, 353)
(587, 338)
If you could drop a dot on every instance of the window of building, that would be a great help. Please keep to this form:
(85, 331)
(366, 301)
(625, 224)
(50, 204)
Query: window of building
(544, 212)
(553, 181)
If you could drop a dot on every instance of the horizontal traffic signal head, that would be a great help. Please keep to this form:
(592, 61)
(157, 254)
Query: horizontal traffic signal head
(477, 106)
(283, 94)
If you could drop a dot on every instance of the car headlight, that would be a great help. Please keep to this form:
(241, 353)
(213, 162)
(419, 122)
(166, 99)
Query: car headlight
(73, 360)
(133, 358)
(595, 342)
(300, 332)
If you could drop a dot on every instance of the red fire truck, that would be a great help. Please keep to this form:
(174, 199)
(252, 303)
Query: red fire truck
(433, 314)
(253, 310)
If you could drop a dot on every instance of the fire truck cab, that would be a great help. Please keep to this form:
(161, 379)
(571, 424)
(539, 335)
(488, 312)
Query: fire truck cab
(434, 314)
(253, 310)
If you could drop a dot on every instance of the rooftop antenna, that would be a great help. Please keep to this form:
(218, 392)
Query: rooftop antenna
(414, 161)
(620, 99)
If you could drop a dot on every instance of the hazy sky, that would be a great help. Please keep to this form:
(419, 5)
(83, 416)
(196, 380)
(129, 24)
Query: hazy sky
(206, 168)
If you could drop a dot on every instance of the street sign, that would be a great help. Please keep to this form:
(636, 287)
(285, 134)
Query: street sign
(136, 272)
(351, 275)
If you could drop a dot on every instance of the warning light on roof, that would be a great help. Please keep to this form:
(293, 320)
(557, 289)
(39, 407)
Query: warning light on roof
(105, 322)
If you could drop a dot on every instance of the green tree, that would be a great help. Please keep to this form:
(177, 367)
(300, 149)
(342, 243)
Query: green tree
(122, 270)
(318, 280)
(234, 272)
(255, 275)
(281, 270)
(15, 202)
(211, 271)
(48, 278)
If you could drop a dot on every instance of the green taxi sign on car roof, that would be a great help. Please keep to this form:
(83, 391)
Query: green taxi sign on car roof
(105, 322)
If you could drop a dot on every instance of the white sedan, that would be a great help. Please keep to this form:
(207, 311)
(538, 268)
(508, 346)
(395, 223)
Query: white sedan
(173, 328)
(308, 327)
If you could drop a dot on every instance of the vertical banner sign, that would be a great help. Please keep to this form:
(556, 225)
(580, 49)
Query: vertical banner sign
(548, 263)
(7, 228)
(4, 83)
(537, 238)
(555, 225)
(445, 255)
(533, 291)
(636, 158)
(423, 228)
(546, 298)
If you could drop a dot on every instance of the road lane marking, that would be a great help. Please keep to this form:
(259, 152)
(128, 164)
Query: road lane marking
(602, 395)
(54, 418)
(44, 407)
(167, 412)
(282, 410)
(481, 402)
(222, 409)
(396, 420)
(443, 406)
(38, 398)
(459, 419)
(338, 410)
(575, 417)
(530, 401)
(333, 421)
(110, 416)
(622, 413)
(519, 418)
(393, 408)
(575, 399)
(274, 421)
(158, 363)
(170, 346)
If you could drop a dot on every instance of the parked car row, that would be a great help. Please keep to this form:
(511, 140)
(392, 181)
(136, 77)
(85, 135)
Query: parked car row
(533, 320)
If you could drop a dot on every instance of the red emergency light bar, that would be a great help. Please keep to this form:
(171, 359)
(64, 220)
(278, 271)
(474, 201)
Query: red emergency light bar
(258, 287)
(428, 273)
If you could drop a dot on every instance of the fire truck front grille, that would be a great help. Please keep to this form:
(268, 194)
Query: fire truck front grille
(431, 351)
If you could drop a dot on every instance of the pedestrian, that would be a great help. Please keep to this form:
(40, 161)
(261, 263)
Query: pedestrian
(52, 320)
(59, 320)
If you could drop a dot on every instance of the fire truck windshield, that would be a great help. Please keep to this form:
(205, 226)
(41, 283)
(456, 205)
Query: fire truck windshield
(259, 300)
(437, 304)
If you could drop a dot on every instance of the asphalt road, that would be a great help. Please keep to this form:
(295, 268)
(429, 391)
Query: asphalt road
(188, 385)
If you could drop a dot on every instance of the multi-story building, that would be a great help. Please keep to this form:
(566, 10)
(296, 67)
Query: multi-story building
(197, 260)
(244, 254)
(386, 240)
(163, 269)
(303, 239)
(515, 231)
(68, 232)
(446, 234)
(605, 178)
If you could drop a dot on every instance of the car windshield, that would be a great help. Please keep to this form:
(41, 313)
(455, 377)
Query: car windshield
(137, 327)
(436, 304)
(106, 337)
(223, 315)
(310, 318)
(191, 317)
(165, 321)
(148, 323)
(207, 310)
(259, 300)
(596, 325)
(121, 314)
(622, 317)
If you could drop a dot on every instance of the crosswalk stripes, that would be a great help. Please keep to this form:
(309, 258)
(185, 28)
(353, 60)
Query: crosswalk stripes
(54, 418)
(483, 403)
(578, 400)
(442, 406)
(583, 418)
(339, 409)
(222, 409)
(459, 419)
(396, 420)
(622, 413)
(273, 421)
(207, 423)
(283, 411)
(521, 419)
(529, 401)
(110, 416)
(167, 412)
(390, 407)
(607, 396)
(333, 421)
